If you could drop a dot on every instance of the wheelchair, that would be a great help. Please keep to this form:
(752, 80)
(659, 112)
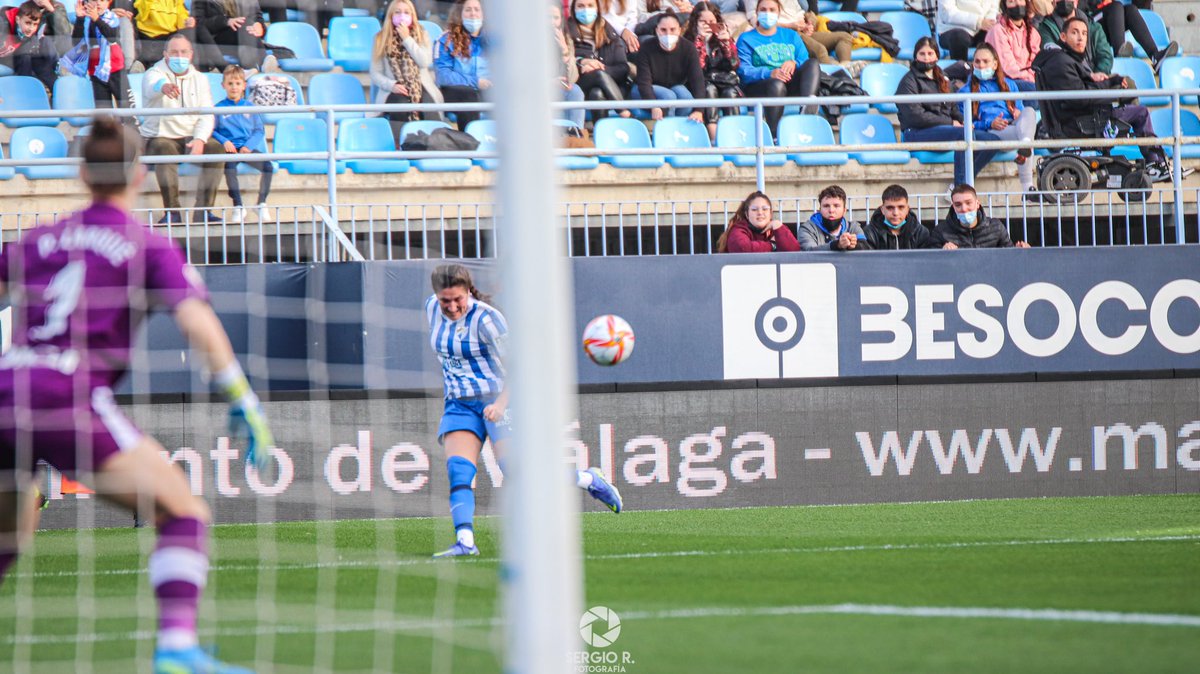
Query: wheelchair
(1065, 175)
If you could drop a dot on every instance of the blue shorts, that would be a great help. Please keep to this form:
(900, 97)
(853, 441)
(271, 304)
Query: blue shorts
(466, 414)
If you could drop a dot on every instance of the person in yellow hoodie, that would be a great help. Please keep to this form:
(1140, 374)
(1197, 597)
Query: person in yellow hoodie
(174, 83)
(154, 21)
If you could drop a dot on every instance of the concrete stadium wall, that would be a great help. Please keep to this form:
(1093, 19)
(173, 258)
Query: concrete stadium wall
(710, 448)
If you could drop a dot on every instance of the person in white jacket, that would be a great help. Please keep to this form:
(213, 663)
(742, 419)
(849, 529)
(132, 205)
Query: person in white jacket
(174, 83)
(622, 15)
(962, 24)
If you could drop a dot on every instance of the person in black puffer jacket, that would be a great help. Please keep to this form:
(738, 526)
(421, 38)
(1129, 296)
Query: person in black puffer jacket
(967, 226)
(600, 54)
(894, 226)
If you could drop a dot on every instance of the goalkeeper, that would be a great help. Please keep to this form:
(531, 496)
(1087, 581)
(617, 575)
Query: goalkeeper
(80, 289)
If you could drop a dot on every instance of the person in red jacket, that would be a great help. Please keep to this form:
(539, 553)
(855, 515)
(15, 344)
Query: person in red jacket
(753, 229)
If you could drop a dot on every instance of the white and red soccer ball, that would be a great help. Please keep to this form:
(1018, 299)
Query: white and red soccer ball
(608, 340)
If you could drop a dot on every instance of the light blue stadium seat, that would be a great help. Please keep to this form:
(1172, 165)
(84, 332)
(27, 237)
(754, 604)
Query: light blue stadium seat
(337, 89)
(1161, 120)
(1181, 72)
(622, 133)
(907, 28)
(1158, 31)
(351, 39)
(677, 132)
(5, 71)
(881, 79)
(354, 11)
(6, 172)
(870, 6)
(371, 134)
(436, 164)
(214, 85)
(855, 17)
(738, 131)
(1143, 78)
(274, 117)
(302, 39)
(484, 130)
(304, 135)
(40, 142)
(18, 92)
(800, 130)
(74, 93)
(435, 32)
(827, 6)
(574, 163)
(867, 129)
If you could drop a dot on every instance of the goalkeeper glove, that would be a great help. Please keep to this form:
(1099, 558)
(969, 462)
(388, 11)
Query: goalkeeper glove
(246, 418)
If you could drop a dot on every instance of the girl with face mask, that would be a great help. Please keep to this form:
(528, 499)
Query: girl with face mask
(1007, 120)
(1017, 43)
(462, 65)
(600, 53)
(774, 63)
(669, 69)
(402, 63)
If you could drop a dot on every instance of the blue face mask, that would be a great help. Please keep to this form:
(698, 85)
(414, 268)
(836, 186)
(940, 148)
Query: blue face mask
(179, 64)
(987, 74)
(473, 25)
(891, 226)
(586, 15)
(767, 20)
(967, 218)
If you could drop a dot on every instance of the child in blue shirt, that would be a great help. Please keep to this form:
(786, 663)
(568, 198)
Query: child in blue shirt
(242, 134)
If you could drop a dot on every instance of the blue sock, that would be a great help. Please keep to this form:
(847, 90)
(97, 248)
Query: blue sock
(462, 496)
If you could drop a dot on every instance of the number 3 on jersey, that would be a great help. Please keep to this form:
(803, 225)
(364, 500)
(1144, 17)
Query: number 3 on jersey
(63, 295)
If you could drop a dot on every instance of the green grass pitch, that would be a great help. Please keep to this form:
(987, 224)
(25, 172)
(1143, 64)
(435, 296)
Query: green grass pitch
(927, 587)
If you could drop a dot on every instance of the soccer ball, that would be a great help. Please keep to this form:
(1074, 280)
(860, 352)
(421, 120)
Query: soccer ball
(608, 340)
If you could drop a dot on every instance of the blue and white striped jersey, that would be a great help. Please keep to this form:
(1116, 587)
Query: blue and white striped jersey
(470, 348)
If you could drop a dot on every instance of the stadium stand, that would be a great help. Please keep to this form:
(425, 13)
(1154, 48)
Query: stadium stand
(40, 142)
(304, 41)
(801, 130)
(73, 93)
(620, 133)
(337, 89)
(868, 129)
(1181, 72)
(351, 40)
(373, 134)
(304, 135)
(881, 79)
(434, 164)
(1189, 123)
(1158, 30)
(1143, 78)
(20, 93)
(484, 130)
(681, 132)
(738, 131)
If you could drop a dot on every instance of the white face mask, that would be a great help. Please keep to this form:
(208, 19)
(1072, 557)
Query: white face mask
(668, 42)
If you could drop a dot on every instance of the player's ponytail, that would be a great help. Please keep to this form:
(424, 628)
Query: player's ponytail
(110, 157)
(456, 276)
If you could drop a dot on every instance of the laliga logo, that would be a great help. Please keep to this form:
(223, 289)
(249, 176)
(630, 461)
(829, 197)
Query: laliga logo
(600, 626)
(779, 320)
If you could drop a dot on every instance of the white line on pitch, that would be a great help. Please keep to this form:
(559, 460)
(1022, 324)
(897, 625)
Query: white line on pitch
(419, 561)
(823, 453)
(424, 625)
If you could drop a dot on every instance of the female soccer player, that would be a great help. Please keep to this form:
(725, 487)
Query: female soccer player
(467, 334)
(80, 289)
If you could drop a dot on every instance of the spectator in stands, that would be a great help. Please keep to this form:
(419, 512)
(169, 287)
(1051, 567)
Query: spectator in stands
(235, 27)
(1017, 43)
(1117, 17)
(754, 229)
(174, 83)
(98, 54)
(829, 228)
(962, 24)
(774, 63)
(622, 15)
(708, 32)
(401, 67)
(894, 226)
(967, 226)
(242, 134)
(669, 69)
(1006, 120)
(24, 46)
(319, 12)
(650, 10)
(567, 76)
(732, 14)
(461, 65)
(820, 41)
(941, 120)
(1099, 52)
(156, 21)
(600, 54)
(1065, 66)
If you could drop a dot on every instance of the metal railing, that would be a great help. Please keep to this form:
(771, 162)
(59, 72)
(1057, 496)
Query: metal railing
(324, 231)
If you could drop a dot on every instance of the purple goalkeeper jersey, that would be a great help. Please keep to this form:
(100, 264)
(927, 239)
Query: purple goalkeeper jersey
(82, 287)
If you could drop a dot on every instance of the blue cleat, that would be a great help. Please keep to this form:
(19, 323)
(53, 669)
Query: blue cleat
(194, 660)
(604, 492)
(458, 550)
